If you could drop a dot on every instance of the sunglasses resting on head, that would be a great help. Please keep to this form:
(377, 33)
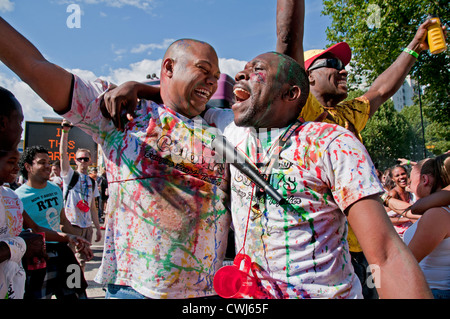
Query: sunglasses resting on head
(327, 63)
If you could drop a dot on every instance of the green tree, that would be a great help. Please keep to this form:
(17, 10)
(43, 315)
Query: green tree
(377, 31)
(387, 135)
(413, 117)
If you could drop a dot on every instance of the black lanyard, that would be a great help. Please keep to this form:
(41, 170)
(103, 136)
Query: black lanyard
(278, 146)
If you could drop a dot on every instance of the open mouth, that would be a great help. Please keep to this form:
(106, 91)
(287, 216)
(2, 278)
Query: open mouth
(205, 94)
(241, 94)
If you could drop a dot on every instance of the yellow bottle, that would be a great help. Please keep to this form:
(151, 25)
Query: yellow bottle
(436, 39)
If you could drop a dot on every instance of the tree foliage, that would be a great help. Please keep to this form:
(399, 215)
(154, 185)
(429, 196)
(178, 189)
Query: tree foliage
(387, 135)
(377, 31)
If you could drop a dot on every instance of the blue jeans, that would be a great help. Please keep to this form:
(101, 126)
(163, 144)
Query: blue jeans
(440, 294)
(122, 292)
(126, 292)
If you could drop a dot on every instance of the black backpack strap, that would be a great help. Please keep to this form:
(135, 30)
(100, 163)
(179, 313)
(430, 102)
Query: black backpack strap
(72, 183)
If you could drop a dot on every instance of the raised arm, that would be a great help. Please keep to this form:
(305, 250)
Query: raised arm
(64, 156)
(290, 28)
(51, 82)
(385, 86)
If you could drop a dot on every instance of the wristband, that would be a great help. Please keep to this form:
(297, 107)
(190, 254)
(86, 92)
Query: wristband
(17, 247)
(408, 162)
(65, 131)
(413, 53)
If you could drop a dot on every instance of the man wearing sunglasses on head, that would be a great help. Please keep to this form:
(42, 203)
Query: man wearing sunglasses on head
(328, 77)
(80, 191)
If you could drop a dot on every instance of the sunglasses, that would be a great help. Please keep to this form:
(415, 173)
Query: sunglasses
(83, 159)
(328, 63)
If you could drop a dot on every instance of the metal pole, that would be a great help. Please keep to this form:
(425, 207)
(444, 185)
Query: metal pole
(421, 118)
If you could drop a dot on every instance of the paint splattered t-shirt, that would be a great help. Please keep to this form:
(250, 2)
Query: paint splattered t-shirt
(351, 114)
(82, 190)
(322, 170)
(167, 222)
(12, 274)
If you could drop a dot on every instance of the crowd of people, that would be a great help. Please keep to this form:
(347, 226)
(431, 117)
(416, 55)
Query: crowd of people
(36, 200)
(172, 199)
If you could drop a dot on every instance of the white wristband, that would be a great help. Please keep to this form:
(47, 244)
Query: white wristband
(17, 247)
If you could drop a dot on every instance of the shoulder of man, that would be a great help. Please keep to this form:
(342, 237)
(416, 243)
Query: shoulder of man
(321, 134)
(321, 128)
(22, 189)
(356, 111)
(218, 117)
(54, 187)
(312, 108)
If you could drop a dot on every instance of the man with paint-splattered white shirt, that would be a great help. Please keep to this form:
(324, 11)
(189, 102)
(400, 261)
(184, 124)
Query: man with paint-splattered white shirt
(300, 250)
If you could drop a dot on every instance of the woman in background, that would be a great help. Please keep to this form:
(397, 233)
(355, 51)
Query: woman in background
(429, 237)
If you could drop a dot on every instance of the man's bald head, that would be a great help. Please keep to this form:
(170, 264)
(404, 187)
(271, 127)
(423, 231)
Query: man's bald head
(189, 76)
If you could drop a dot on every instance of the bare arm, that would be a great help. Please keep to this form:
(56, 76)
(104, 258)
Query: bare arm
(51, 82)
(64, 157)
(65, 225)
(437, 199)
(94, 215)
(50, 235)
(80, 243)
(124, 98)
(403, 208)
(399, 274)
(432, 228)
(290, 28)
(392, 79)
(5, 253)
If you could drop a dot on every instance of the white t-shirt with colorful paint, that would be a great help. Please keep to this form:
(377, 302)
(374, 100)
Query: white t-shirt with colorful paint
(12, 274)
(82, 190)
(167, 223)
(322, 169)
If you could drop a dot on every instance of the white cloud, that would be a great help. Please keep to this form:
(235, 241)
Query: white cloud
(6, 5)
(152, 46)
(34, 108)
(135, 72)
(146, 5)
(231, 66)
(85, 74)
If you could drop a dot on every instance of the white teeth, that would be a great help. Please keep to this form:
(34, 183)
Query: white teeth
(203, 92)
(241, 94)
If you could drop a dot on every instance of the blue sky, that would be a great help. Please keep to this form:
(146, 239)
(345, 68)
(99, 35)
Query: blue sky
(123, 40)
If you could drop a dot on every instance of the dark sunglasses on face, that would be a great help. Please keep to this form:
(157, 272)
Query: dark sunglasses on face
(328, 63)
(83, 159)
